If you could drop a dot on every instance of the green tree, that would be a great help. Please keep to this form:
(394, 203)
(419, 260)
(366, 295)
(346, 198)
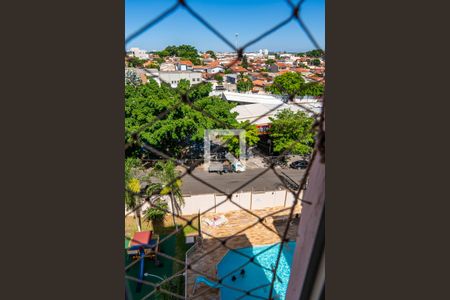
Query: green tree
(291, 131)
(293, 84)
(183, 86)
(244, 83)
(219, 78)
(312, 89)
(251, 138)
(270, 61)
(135, 62)
(165, 122)
(153, 65)
(289, 83)
(169, 184)
(132, 189)
(315, 62)
(185, 52)
(157, 212)
(199, 91)
(159, 60)
(163, 53)
(315, 53)
(212, 54)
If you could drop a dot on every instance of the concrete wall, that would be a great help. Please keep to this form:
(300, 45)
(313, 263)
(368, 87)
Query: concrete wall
(249, 200)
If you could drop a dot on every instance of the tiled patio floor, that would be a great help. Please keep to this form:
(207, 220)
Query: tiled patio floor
(240, 235)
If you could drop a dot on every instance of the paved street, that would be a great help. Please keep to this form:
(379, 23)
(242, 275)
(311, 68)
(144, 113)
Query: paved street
(231, 181)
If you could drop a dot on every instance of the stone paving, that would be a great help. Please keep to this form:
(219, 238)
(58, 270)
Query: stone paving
(240, 233)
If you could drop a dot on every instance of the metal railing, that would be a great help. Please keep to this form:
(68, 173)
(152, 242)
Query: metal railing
(318, 130)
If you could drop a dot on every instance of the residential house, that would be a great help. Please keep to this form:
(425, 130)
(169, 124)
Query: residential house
(238, 69)
(201, 69)
(231, 78)
(278, 66)
(139, 53)
(215, 70)
(259, 86)
(214, 67)
(174, 77)
(184, 65)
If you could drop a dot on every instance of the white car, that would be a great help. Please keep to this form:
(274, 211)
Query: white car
(238, 167)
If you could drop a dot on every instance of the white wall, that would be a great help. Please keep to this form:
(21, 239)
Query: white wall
(174, 77)
(196, 203)
(248, 200)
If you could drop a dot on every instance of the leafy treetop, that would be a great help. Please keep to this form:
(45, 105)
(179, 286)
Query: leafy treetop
(185, 52)
(169, 124)
(292, 84)
(212, 54)
(291, 131)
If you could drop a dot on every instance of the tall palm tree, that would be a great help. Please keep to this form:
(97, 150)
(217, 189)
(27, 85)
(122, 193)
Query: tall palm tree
(169, 185)
(132, 200)
(132, 189)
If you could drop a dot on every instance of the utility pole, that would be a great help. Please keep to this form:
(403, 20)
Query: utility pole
(237, 38)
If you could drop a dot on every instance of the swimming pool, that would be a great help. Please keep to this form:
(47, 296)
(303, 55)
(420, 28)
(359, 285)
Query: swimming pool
(255, 276)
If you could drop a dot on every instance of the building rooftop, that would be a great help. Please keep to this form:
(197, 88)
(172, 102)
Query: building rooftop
(250, 98)
(186, 62)
(260, 113)
(178, 72)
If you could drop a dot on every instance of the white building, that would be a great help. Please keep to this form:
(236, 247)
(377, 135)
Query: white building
(263, 52)
(259, 114)
(214, 70)
(139, 53)
(309, 102)
(174, 77)
(251, 98)
(184, 65)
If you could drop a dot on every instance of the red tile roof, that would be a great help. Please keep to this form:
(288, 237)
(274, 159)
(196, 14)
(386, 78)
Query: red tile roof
(302, 70)
(213, 64)
(316, 78)
(238, 69)
(283, 71)
(186, 62)
(280, 64)
(258, 83)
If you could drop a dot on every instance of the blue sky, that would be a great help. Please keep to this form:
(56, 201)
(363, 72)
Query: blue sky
(249, 18)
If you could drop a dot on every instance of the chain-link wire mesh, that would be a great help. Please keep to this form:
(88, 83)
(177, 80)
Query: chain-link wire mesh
(218, 245)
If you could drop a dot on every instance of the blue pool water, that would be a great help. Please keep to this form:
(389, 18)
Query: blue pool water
(255, 276)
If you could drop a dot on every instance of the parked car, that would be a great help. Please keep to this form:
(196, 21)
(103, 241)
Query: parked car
(238, 167)
(215, 167)
(299, 164)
